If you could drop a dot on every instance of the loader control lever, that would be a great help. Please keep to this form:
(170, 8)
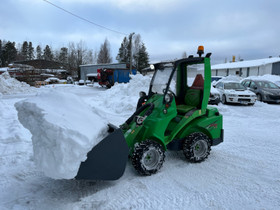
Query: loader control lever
(139, 119)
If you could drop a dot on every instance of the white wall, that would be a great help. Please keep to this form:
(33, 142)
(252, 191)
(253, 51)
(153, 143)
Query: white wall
(213, 72)
(222, 72)
(244, 72)
(253, 71)
(233, 72)
(266, 69)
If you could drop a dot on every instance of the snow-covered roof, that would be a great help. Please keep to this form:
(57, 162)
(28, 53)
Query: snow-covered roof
(103, 64)
(92, 75)
(245, 64)
(3, 69)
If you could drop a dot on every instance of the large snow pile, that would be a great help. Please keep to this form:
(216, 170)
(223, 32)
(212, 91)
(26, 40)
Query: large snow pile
(64, 129)
(10, 85)
(123, 97)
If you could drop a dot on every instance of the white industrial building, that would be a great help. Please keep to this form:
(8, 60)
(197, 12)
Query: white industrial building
(248, 68)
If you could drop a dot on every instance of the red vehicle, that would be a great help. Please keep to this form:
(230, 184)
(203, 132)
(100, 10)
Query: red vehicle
(107, 77)
(104, 77)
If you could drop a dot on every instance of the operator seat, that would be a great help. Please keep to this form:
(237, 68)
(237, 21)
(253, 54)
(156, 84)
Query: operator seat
(193, 96)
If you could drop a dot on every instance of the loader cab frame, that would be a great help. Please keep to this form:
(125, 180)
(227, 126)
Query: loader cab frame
(179, 69)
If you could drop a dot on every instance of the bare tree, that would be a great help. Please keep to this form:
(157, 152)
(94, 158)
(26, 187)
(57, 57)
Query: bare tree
(95, 56)
(81, 53)
(72, 59)
(104, 55)
(89, 57)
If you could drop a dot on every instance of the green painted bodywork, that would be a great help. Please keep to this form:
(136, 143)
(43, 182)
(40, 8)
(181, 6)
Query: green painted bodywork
(166, 124)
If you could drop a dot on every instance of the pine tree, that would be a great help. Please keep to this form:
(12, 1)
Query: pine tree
(142, 58)
(63, 55)
(122, 56)
(38, 52)
(30, 51)
(104, 55)
(48, 55)
(9, 53)
(24, 50)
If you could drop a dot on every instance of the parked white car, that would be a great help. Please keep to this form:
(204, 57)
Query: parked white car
(234, 92)
(81, 82)
(214, 97)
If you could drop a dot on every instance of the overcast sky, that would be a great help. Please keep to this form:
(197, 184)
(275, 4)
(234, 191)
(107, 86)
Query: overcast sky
(248, 29)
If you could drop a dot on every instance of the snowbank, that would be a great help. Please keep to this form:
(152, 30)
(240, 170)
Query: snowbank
(122, 98)
(64, 130)
(10, 85)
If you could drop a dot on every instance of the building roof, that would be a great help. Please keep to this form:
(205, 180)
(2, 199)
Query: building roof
(105, 64)
(246, 64)
(42, 64)
(3, 69)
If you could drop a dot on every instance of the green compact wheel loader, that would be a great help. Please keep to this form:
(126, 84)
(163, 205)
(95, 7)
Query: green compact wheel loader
(173, 115)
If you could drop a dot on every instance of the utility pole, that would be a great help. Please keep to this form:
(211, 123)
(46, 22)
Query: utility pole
(130, 63)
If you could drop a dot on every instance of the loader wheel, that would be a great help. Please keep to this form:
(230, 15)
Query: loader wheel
(148, 157)
(196, 147)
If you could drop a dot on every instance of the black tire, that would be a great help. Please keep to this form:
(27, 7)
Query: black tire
(147, 157)
(224, 99)
(196, 147)
(259, 97)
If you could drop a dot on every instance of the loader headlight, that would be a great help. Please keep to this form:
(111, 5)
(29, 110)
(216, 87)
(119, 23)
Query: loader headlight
(168, 98)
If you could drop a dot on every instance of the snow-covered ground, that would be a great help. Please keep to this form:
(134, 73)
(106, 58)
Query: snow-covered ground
(241, 173)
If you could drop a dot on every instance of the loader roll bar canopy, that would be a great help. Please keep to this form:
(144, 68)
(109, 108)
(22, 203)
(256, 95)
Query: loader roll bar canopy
(180, 66)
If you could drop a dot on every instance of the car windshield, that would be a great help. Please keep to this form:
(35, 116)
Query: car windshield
(215, 78)
(234, 86)
(160, 80)
(266, 84)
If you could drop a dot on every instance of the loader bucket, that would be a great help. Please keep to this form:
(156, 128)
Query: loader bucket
(107, 160)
